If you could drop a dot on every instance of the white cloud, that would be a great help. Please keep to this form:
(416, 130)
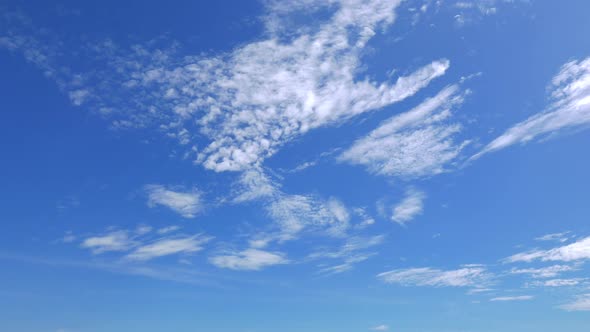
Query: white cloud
(168, 229)
(246, 103)
(512, 298)
(253, 185)
(579, 250)
(249, 259)
(351, 253)
(561, 282)
(143, 229)
(570, 109)
(169, 246)
(187, 204)
(410, 207)
(291, 213)
(307, 83)
(467, 276)
(294, 213)
(114, 241)
(413, 144)
(381, 327)
(366, 219)
(559, 237)
(79, 96)
(545, 272)
(582, 303)
(347, 265)
(140, 244)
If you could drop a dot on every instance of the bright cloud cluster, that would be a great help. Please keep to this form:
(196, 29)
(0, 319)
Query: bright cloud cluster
(413, 144)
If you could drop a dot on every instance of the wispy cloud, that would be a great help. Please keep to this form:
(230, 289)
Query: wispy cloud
(426, 276)
(169, 246)
(570, 91)
(292, 213)
(352, 252)
(559, 237)
(545, 272)
(168, 229)
(410, 207)
(249, 259)
(416, 143)
(186, 203)
(581, 303)
(143, 245)
(512, 298)
(113, 241)
(246, 104)
(579, 250)
(381, 327)
(560, 282)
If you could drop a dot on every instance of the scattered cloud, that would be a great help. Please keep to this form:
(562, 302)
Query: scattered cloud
(366, 219)
(582, 303)
(246, 104)
(570, 92)
(410, 207)
(168, 229)
(169, 246)
(141, 244)
(467, 276)
(381, 327)
(249, 259)
(560, 282)
(69, 237)
(559, 237)
(143, 229)
(185, 203)
(113, 241)
(577, 251)
(351, 253)
(512, 298)
(414, 144)
(292, 214)
(545, 272)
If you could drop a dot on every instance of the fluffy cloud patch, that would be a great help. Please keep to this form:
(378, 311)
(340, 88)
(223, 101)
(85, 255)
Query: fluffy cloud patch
(426, 276)
(185, 203)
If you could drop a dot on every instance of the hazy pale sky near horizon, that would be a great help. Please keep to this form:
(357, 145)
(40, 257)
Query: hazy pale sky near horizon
(337, 165)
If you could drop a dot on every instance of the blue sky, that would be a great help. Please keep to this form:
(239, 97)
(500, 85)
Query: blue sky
(380, 165)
